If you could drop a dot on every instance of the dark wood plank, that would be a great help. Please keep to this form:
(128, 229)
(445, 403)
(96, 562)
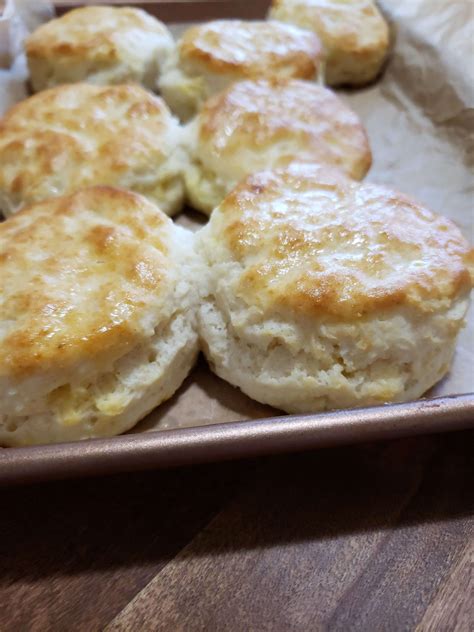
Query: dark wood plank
(354, 539)
(73, 554)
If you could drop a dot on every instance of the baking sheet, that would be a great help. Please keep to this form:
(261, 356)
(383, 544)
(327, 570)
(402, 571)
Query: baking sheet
(419, 118)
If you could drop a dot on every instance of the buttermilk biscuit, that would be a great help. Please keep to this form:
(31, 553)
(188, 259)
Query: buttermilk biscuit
(210, 56)
(69, 137)
(354, 35)
(97, 315)
(255, 125)
(102, 45)
(324, 293)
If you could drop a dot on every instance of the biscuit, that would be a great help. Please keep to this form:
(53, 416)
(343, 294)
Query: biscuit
(101, 45)
(210, 56)
(79, 135)
(97, 315)
(326, 293)
(354, 35)
(255, 125)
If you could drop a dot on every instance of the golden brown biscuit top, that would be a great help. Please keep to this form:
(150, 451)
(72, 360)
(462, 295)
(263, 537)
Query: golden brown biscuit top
(97, 33)
(83, 107)
(293, 119)
(79, 275)
(252, 49)
(76, 135)
(345, 25)
(315, 244)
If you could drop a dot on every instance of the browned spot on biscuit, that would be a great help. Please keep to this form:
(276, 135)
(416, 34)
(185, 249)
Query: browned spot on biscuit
(251, 49)
(282, 121)
(75, 136)
(77, 273)
(314, 242)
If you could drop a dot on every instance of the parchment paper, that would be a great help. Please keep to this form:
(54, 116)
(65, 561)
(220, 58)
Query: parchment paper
(420, 120)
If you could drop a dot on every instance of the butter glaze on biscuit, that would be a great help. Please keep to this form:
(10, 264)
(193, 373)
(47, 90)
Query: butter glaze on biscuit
(354, 35)
(325, 293)
(210, 56)
(255, 125)
(101, 45)
(79, 135)
(97, 315)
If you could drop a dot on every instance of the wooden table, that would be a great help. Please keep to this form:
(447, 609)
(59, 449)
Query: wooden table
(370, 538)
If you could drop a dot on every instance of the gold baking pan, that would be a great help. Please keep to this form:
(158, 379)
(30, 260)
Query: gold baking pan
(416, 115)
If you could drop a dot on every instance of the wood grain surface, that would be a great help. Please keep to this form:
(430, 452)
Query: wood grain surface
(375, 537)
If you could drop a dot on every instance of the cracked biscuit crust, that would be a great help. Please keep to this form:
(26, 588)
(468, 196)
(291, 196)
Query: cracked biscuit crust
(255, 125)
(354, 34)
(80, 135)
(326, 293)
(102, 45)
(97, 315)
